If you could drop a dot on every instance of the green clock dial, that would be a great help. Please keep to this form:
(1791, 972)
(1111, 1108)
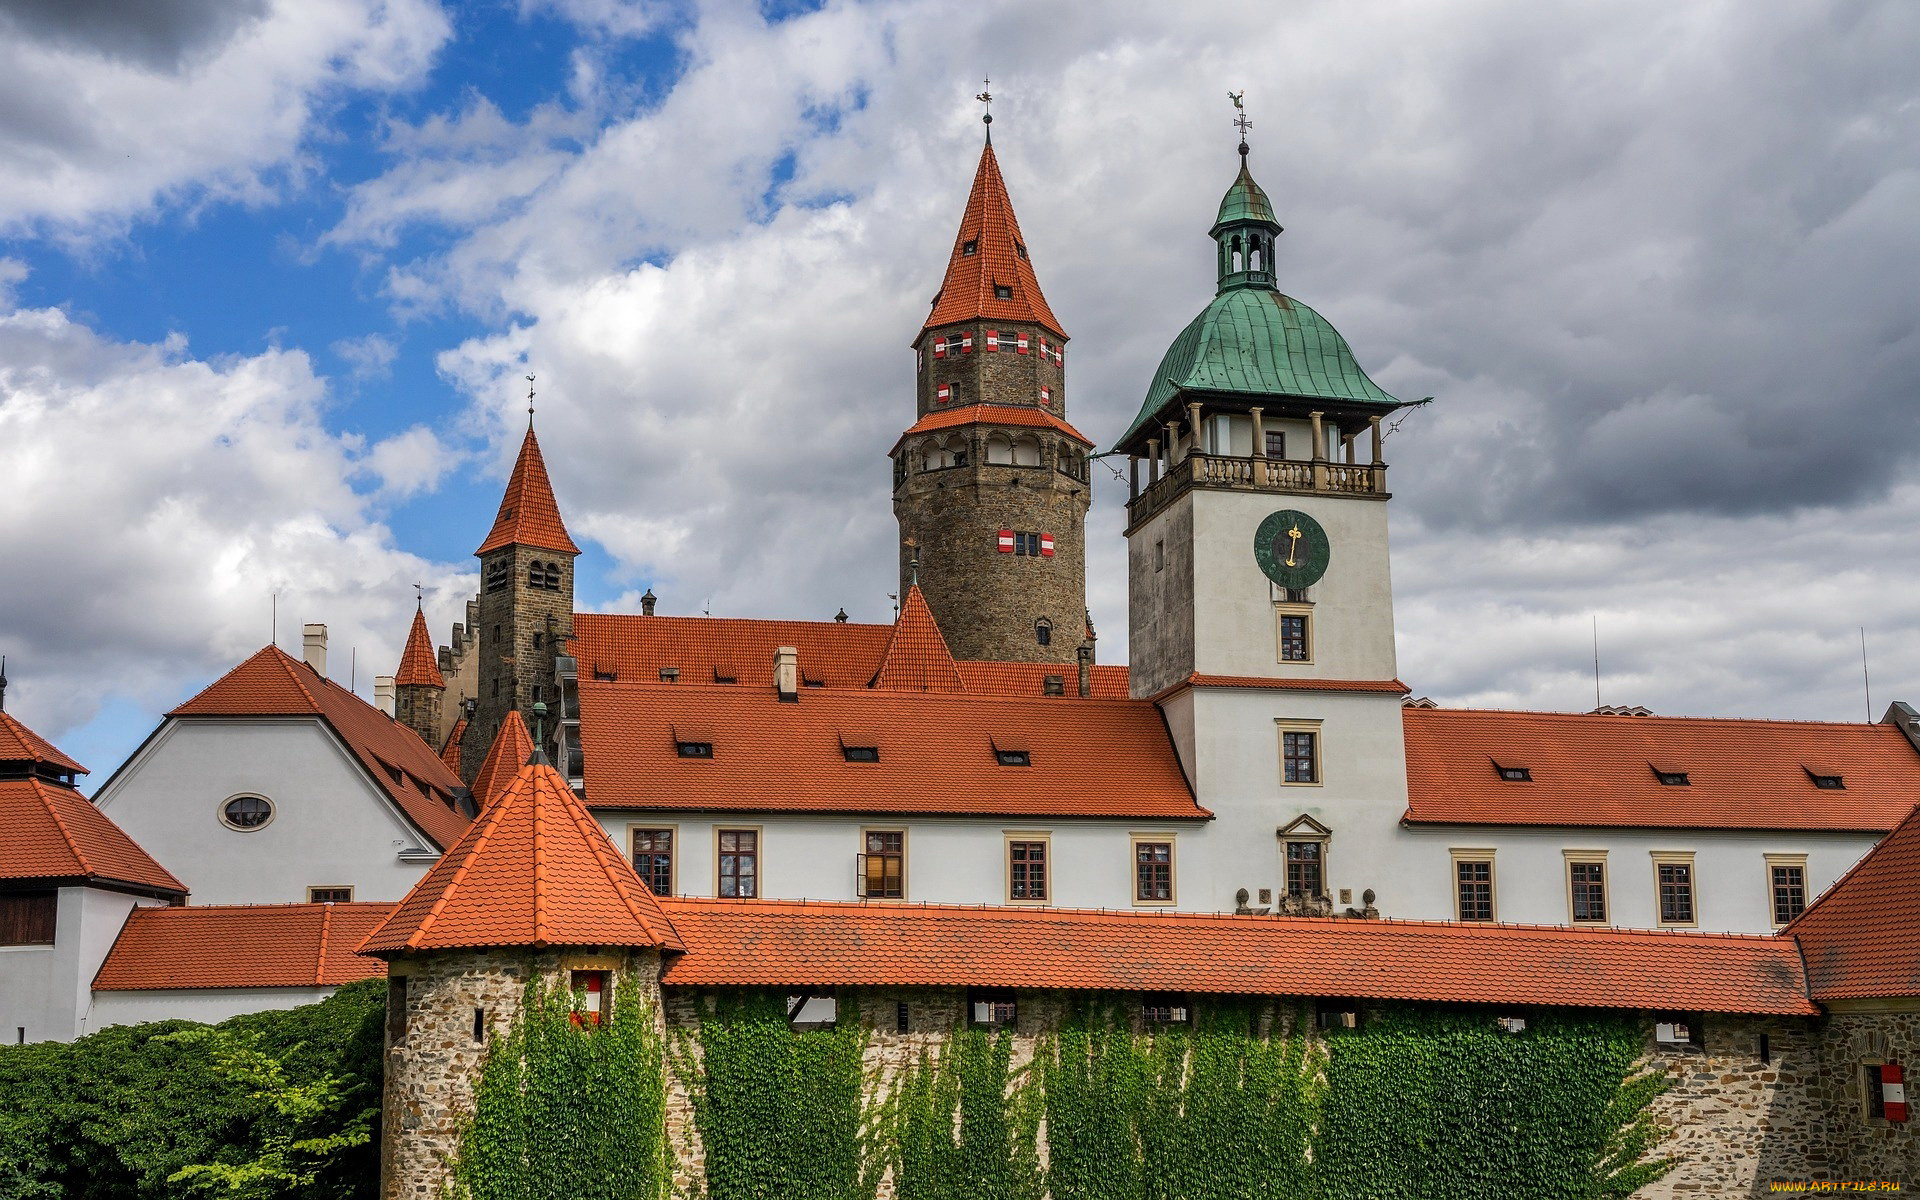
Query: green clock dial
(1291, 548)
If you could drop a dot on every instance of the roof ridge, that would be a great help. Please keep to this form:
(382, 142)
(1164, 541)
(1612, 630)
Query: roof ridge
(1629, 721)
(597, 842)
(292, 666)
(320, 958)
(483, 834)
(66, 834)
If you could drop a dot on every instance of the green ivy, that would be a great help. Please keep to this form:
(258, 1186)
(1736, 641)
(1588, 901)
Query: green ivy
(965, 1125)
(570, 1112)
(1443, 1105)
(781, 1112)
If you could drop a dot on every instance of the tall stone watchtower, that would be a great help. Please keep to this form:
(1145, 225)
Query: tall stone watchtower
(419, 690)
(526, 603)
(990, 483)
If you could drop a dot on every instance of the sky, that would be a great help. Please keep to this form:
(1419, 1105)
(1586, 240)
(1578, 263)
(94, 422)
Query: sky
(272, 274)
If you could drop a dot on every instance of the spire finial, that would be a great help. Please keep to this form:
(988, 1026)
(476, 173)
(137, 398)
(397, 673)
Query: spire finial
(529, 402)
(3, 683)
(1240, 118)
(419, 597)
(986, 97)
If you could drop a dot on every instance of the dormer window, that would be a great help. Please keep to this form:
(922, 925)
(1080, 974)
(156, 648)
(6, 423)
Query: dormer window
(694, 749)
(969, 248)
(669, 674)
(1825, 777)
(1020, 248)
(861, 754)
(1513, 772)
(1002, 291)
(725, 675)
(1012, 758)
(1672, 778)
(1053, 685)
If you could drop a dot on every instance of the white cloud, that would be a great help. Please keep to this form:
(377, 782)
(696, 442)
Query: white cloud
(96, 135)
(369, 356)
(155, 504)
(410, 462)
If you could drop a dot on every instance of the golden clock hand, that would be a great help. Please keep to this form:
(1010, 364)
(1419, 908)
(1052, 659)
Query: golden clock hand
(1293, 544)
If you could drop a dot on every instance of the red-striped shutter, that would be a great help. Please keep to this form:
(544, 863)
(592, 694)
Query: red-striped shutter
(1021, 345)
(1893, 1091)
(939, 347)
(993, 341)
(966, 343)
(1006, 541)
(1046, 545)
(1046, 351)
(920, 359)
(943, 393)
(1046, 395)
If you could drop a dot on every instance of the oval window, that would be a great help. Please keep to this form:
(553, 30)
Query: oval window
(246, 812)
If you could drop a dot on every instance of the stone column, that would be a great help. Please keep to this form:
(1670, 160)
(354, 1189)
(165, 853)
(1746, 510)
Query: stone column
(1259, 432)
(1319, 452)
(1153, 461)
(1199, 439)
(1133, 476)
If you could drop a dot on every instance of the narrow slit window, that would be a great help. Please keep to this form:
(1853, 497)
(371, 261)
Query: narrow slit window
(694, 749)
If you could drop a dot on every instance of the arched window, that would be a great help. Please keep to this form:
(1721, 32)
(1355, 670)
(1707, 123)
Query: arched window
(544, 576)
(1239, 259)
(999, 448)
(1254, 259)
(1026, 452)
(1043, 631)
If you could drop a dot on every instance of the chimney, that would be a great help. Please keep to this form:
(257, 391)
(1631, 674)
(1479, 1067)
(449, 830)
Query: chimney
(383, 693)
(647, 601)
(313, 648)
(1085, 654)
(786, 672)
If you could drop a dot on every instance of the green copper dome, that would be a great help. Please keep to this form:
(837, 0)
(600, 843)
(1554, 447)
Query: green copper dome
(1244, 201)
(1257, 344)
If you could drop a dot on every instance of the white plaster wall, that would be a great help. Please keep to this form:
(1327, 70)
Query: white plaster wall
(193, 1004)
(1732, 889)
(43, 989)
(332, 826)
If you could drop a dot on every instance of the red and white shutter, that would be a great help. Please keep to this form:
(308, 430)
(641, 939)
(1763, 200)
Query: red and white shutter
(943, 393)
(1006, 541)
(1046, 395)
(1021, 345)
(939, 347)
(592, 988)
(920, 359)
(1046, 350)
(993, 341)
(1893, 1091)
(1046, 545)
(966, 343)
(1060, 357)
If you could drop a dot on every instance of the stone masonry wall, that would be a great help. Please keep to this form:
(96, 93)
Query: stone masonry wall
(521, 629)
(1004, 377)
(417, 706)
(460, 667)
(1842, 1142)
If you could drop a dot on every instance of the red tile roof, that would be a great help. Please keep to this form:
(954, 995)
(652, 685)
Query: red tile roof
(535, 870)
(994, 414)
(917, 658)
(510, 751)
(1387, 686)
(529, 515)
(1598, 771)
(20, 744)
(241, 946)
(1030, 679)
(1090, 758)
(450, 753)
(746, 943)
(417, 667)
(273, 683)
(53, 832)
(1861, 939)
(998, 259)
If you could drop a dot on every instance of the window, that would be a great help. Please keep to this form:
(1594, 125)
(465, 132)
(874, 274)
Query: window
(669, 674)
(694, 749)
(1053, 685)
(1336, 1014)
(653, 859)
(994, 1008)
(589, 996)
(1513, 772)
(1787, 884)
(1673, 883)
(1165, 1010)
(1159, 556)
(1027, 544)
(28, 918)
(1827, 781)
(1587, 888)
(1884, 1089)
(1306, 869)
(1020, 248)
(498, 576)
(1152, 871)
(809, 1010)
(1027, 870)
(883, 868)
(861, 754)
(1295, 645)
(1299, 756)
(246, 813)
(1002, 291)
(1679, 1031)
(329, 895)
(739, 862)
(1012, 758)
(543, 576)
(1670, 775)
(1043, 632)
(969, 248)
(1473, 884)
(1873, 1091)
(1276, 444)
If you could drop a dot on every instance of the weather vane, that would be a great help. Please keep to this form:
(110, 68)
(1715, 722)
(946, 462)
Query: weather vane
(986, 97)
(419, 596)
(529, 400)
(1240, 116)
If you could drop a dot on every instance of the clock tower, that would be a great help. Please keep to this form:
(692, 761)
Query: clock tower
(1260, 599)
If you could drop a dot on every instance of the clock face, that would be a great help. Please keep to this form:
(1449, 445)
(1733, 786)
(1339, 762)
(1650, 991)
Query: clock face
(1291, 548)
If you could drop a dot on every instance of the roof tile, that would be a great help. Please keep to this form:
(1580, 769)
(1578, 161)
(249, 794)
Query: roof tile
(54, 832)
(1862, 937)
(529, 515)
(917, 658)
(998, 258)
(510, 751)
(995, 414)
(241, 946)
(417, 666)
(20, 744)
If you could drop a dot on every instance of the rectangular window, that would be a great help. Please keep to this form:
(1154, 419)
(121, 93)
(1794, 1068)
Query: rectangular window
(694, 749)
(994, 1008)
(1305, 869)
(28, 918)
(1587, 889)
(1787, 882)
(589, 996)
(1673, 883)
(1027, 544)
(329, 895)
(1873, 1091)
(1295, 645)
(1679, 1031)
(1165, 1010)
(883, 867)
(1152, 871)
(1276, 444)
(1473, 884)
(739, 862)
(653, 859)
(1300, 756)
(1027, 870)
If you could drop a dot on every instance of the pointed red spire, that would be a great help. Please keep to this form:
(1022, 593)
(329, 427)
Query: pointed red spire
(510, 751)
(417, 667)
(917, 658)
(998, 259)
(535, 869)
(529, 515)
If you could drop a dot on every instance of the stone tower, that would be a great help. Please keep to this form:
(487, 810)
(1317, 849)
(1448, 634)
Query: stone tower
(990, 483)
(419, 691)
(533, 890)
(526, 604)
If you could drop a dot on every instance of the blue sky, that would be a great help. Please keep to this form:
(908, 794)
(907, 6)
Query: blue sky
(271, 273)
